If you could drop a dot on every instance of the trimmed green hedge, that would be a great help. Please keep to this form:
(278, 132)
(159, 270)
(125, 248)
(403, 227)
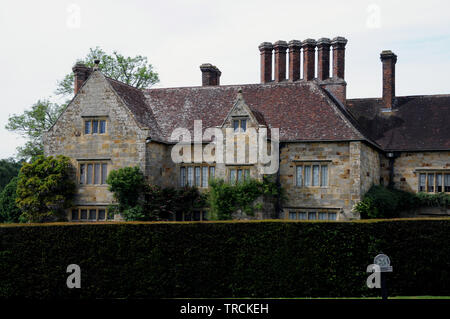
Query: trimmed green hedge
(224, 259)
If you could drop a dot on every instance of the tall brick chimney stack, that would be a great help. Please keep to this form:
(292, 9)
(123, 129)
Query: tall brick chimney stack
(266, 61)
(388, 58)
(294, 59)
(210, 74)
(338, 44)
(280, 48)
(323, 56)
(309, 51)
(81, 73)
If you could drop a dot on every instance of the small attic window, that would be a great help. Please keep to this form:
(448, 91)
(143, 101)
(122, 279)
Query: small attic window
(240, 125)
(94, 126)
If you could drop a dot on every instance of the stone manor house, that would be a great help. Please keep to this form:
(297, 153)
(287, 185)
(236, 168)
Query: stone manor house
(331, 149)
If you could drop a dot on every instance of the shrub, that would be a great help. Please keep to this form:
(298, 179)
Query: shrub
(9, 211)
(139, 201)
(224, 259)
(382, 202)
(45, 188)
(225, 198)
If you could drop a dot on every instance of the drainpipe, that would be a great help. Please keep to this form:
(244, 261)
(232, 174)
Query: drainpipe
(391, 156)
(278, 182)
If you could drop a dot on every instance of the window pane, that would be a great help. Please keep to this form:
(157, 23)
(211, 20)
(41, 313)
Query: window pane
(212, 171)
(182, 176)
(95, 126)
(190, 176)
(447, 182)
(101, 214)
(324, 177)
(188, 216)
(204, 176)
(83, 214)
(422, 179)
(438, 182)
(292, 215)
(92, 214)
(197, 175)
(239, 175)
(205, 215)
(104, 173)
(322, 216)
(307, 175)
(74, 214)
(179, 216)
(315, 175)
(232, 176)
(299, 176)
(302, 215)
(246, 174)
(311, 215)
(236, 125)
(243, 125)
(90, 168)
(331, 216)
(97, 173)
(82, 173)
(102, 126)
(87, 127)
(196, 215)
(430, 183)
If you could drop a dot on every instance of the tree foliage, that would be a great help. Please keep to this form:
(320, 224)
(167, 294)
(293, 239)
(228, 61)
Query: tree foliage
(32, 124)
(9, 168)
(9, 211)
(134, 71)
(45, 188)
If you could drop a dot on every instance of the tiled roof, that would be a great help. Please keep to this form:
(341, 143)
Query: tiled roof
(301, 110)
(417, 123)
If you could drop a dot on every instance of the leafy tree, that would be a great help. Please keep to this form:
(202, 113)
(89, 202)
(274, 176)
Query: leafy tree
(32, 124)
(9, 211)
(9, 168)
(134, 71)
(45, 188)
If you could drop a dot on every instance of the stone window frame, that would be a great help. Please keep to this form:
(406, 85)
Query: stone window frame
(203, 215)
(237, 168)
(433, 189)
(312, 163)
(305, 213)
(210, 168)
(239, 119)
(93, 163)
(91, 120)
(88, 208)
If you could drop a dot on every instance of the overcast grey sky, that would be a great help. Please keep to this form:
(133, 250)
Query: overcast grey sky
(40, 41)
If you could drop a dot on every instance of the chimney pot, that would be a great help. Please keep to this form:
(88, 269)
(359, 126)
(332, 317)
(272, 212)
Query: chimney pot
(323, 55)
(81, 73)
(210, 74)
(294, 59)
(266, 49)
(280, 48)
(338, 44)
(388, 58)
(309, 50)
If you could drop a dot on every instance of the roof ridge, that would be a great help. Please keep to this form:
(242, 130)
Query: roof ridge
(402, 96)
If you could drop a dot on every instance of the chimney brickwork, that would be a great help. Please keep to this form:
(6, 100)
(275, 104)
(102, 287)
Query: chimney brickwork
(280, 48)
(210, 74)
(338, 44)
(81, 74)
(309, 52)
(266, 49)
(388, 58)
(323, 57)
(294, 60)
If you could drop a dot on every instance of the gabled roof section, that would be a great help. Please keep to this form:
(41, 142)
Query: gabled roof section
(417, 123)
(301, 110)
(135, 100)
